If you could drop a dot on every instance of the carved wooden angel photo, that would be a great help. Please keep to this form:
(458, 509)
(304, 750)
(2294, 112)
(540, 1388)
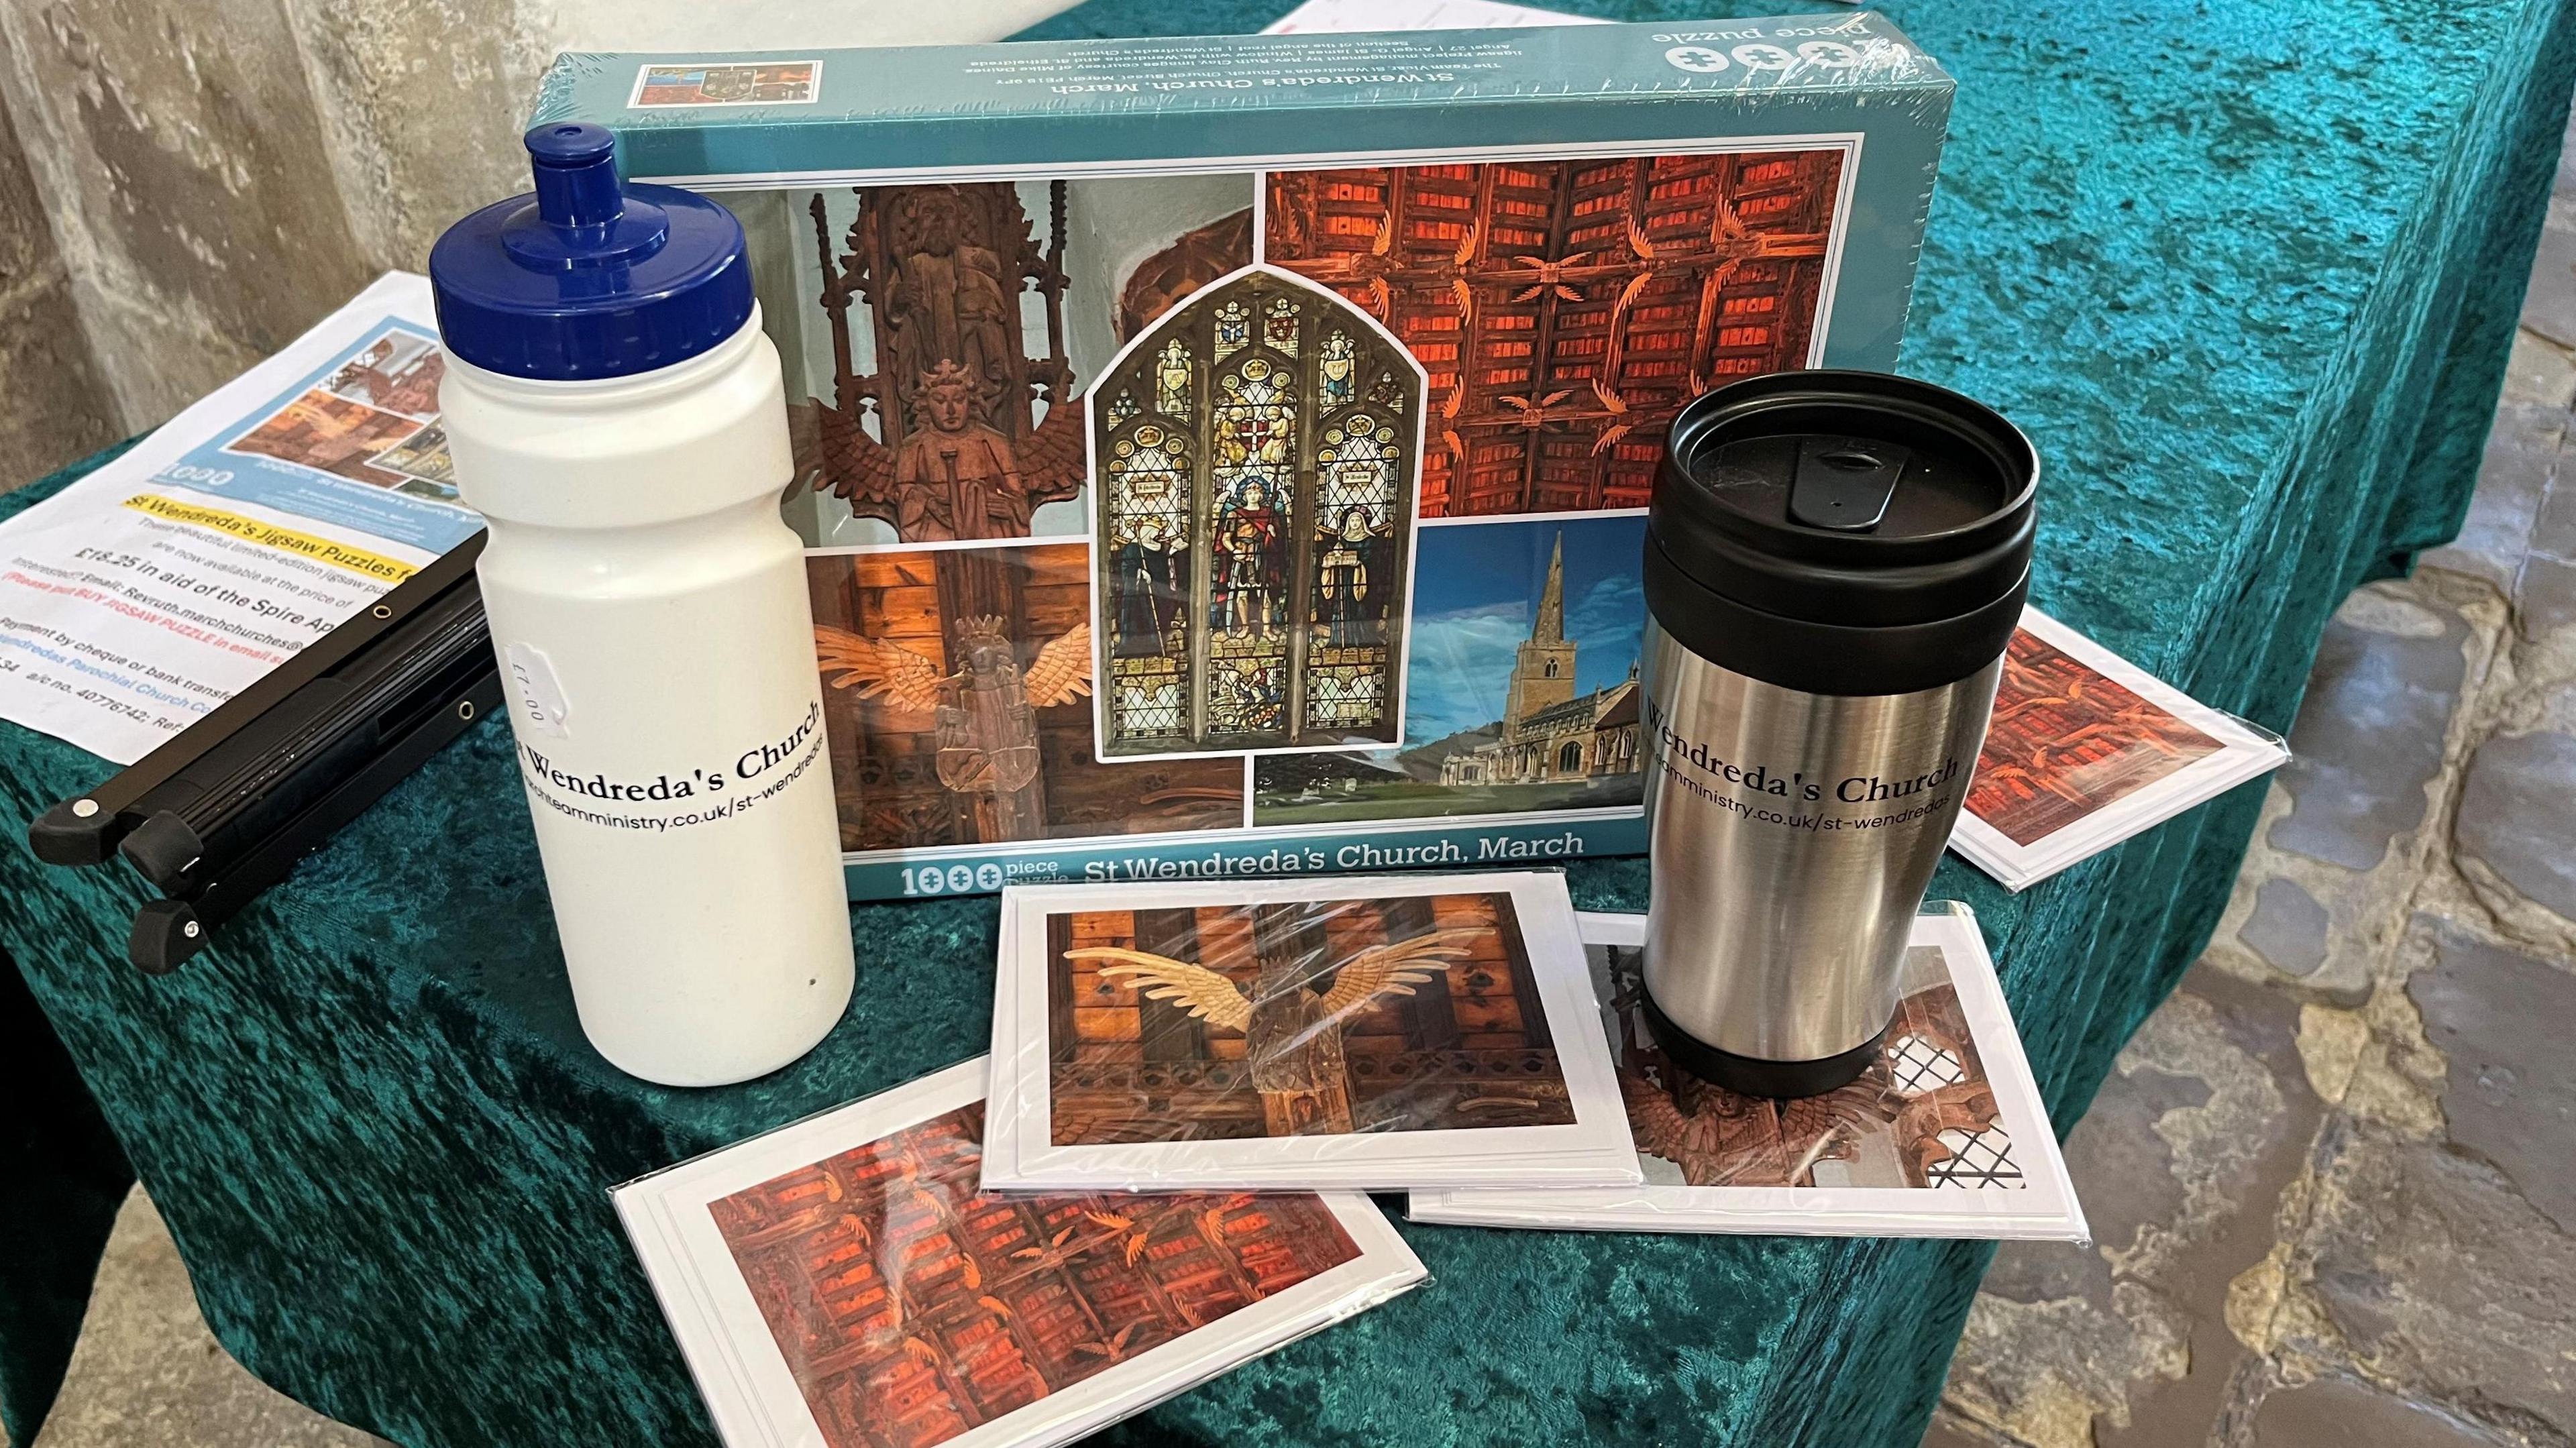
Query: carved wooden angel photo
(956, 705)
(943, 334)
(1372, 1033)
(959, 428)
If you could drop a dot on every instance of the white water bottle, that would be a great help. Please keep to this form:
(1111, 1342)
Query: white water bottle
(614, 411)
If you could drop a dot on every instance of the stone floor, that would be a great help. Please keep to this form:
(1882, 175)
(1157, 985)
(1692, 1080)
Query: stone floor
(147, 1373)
(2334, 1178)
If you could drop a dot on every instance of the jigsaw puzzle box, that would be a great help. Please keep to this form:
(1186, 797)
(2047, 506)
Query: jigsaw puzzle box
(1229, 455)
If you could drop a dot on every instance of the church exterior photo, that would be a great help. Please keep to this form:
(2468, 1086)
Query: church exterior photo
(1548, 732)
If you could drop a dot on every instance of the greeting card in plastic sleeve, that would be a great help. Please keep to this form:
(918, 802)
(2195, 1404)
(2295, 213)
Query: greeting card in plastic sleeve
(1944, 1136)
(2086, 750)
(842, 1282)
(1371, 1033)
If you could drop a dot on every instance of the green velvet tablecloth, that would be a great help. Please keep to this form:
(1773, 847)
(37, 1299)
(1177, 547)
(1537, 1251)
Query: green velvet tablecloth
(2246, 270)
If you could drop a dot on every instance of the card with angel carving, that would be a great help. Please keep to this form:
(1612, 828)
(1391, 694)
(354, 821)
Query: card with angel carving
(1944, 1136)
(2086, 750)
(1403, 1031)
(843, 1282)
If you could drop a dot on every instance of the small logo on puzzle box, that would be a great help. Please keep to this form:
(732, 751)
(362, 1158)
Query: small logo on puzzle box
(1697, 59)
(756, 83)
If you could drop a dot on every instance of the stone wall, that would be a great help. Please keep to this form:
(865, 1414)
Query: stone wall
(52, 407)
(185, 185)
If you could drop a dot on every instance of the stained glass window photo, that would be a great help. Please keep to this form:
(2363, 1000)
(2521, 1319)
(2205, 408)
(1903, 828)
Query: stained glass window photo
(1330, 478)
(1254, 508)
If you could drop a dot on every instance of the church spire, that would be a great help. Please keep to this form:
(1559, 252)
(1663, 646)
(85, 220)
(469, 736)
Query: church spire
(1550, 627)
(1543, 667)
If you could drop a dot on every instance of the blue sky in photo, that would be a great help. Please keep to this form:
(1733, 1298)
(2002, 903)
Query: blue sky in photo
(1475, 591)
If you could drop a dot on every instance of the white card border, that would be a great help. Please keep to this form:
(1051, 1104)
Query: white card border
(745, 1380)
(2044, 1209)
(1594, 1149)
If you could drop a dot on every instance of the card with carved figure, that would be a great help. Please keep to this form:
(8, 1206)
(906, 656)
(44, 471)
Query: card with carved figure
(844, 1283)
(2087, 749)
(1368, 1033)
(1944, 1136)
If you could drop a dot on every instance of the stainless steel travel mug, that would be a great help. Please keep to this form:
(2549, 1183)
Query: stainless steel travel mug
(1834, 563)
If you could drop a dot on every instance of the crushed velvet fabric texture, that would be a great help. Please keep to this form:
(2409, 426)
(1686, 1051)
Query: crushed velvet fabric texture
(2246, 270)
(62, 1179)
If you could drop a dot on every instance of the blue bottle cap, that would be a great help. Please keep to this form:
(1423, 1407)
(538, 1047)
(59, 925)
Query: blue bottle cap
(587, 278)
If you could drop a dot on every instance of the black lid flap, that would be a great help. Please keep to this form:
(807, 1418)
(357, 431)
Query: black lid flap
(1843, 483)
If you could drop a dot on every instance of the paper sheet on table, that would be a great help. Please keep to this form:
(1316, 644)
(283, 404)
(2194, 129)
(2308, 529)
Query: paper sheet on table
(141, 597)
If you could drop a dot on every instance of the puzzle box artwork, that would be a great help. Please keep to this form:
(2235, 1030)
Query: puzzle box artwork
(956, 708)
(1259, 323)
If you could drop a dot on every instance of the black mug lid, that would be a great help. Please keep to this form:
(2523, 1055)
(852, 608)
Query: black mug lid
(1855, 499)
